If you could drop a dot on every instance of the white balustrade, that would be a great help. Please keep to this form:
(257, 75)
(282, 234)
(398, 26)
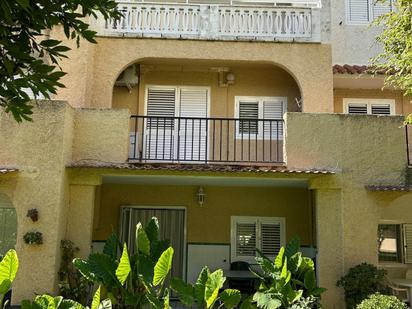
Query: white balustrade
(214, 22)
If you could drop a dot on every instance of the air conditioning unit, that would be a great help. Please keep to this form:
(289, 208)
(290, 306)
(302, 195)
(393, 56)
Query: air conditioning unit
(128, 78)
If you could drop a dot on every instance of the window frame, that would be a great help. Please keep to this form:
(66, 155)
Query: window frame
(259, 100)
(258, 220)
(401, 241)
(371, 16)
(369, 102)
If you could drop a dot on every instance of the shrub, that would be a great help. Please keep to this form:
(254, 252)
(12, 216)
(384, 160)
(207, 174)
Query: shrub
(381, 301)
(362, 281)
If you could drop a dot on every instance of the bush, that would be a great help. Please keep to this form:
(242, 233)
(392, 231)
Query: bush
(362, 281)
(381, 301)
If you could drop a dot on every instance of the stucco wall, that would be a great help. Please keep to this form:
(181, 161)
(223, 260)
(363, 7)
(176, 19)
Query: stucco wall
(308, 63)
(210, 223)
(351, 44)
(40, 150)
(101, 135)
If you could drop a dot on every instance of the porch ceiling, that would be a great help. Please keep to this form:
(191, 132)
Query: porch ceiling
(205, 181)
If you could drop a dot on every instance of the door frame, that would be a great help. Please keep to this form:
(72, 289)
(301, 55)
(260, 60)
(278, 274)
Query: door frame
(177, 112)
(184, 208)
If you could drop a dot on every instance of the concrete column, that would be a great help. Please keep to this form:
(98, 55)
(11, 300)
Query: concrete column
(80, 217)
(330, 261)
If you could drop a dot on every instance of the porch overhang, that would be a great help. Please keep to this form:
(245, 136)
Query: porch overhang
(5, 170)
(389, 188)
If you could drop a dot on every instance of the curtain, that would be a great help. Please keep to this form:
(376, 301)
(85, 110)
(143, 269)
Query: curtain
(172, 227)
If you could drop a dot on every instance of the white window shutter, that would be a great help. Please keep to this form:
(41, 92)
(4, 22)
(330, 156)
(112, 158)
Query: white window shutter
(407, 241)
(159, 137)
(193, 103)
(381, 109)
(248, 110)
(358, 11)
(380, 8)
(273, 109)
(271, 239)
(354, 108)
(245, 239)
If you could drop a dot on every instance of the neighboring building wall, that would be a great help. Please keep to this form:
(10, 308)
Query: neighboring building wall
(351, 44)
(310, 64)
(210, 223)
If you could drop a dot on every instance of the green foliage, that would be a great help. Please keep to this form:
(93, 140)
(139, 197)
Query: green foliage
(288, 281)
(132, 280)
(33, 238)
(362, 281)
(205, 292)
(72, 284)
(381, 301)
(49, 302)
(28, 58)
(396, 40)
(8, 270)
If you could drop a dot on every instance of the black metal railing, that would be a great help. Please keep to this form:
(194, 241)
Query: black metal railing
(206, 140)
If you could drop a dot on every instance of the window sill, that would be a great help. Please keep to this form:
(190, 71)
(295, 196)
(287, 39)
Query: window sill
(392, 265)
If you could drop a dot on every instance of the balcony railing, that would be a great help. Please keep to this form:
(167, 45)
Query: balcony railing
(206, 140)
(262, 21)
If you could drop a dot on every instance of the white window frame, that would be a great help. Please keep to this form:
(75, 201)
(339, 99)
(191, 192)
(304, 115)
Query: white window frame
(360, 23)
(260, 100)
(258, 220)
(369, 102)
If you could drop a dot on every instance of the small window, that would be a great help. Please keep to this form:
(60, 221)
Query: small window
(369, 106)
(359, 12)
(268, 112)
(250, 233)
(390, 243)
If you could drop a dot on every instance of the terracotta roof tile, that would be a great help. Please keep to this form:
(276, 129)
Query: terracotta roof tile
(198, 167)
(7, 170)
(354, 69)
(392, 188)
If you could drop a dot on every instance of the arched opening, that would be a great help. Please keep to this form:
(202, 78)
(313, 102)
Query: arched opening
(8, 224)
(206, 111)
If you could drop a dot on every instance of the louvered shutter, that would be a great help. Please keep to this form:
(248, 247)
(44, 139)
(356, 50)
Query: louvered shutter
(381, 109)
(358, 11)
(361, 109)
(407, 241)
(248, 110)
(271, 241)
(380, 8)
(193, 104)
(273, 110)
(245, 239)
(160, 137)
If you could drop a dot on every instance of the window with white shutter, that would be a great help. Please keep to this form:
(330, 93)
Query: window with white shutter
(360, 12)
(395, 242)
(250, 233)
(369, 106)
(262, 108)
(407, 242)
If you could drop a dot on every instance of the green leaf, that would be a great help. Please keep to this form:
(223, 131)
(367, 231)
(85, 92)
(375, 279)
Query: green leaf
(104, 269)
(294, 262)
(142, 241)
(166, 300)
(200, 286)
(285, 271)
(110, 246)
(248, 303)
(152, 229)
(267, 300)
(50, 43)
(292, 247)
(123, 269)
(5, 286)
(96, 299)
(213, 284)
(279, 258)
(105, 304)
(268, 268)
(163, 266)
(230, 298)
(185, 291)
(9, 266)
(318, 291)
(310, 280)
(84, 268)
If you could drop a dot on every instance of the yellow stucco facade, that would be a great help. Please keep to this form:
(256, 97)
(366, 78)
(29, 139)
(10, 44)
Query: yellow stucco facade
(72, 160)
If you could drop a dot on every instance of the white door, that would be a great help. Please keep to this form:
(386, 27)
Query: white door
(183, 139)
